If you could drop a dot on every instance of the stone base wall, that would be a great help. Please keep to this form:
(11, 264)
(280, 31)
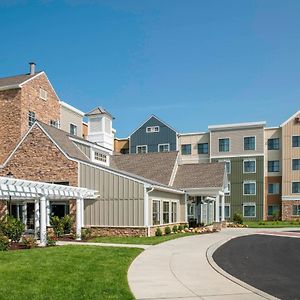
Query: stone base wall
(3, 209)
(287, 210)
(162, 227)
(118, 231)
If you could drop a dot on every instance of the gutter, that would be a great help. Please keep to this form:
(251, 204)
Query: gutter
(10, 87)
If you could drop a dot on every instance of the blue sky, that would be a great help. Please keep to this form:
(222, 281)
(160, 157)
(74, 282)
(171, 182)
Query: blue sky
(191, 63)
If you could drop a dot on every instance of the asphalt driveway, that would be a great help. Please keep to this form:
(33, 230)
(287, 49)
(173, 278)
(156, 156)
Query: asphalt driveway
(269, 263)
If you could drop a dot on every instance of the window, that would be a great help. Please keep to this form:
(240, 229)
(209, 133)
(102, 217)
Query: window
(31, 118)
(166, 212)
(227, 165)
(250, 166)
(273, 166)
(273, 188)
(163, 147)
(156, 212)
(99, 156)
(174, 212)
(228, 191)
(43, 94)
(249, 143)
(273, 144)
(296, 164)
(296, 187)
(273, 210)
(296, 210)
(249, 210)
(224, 145)
(203, 148)
(54, 123)
(227, 210)
(152, 129)
(73, 129)
(59, 209)
(186, 149)
(296, 141)
(141, 149)
(249, 188)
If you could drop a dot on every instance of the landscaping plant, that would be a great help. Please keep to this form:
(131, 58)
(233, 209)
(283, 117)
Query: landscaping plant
(12, 228)
(180, 228)
(158, 232)
(4, 242)
(237, 219)
(175, 229)
(29, 242)
(57, 225)
(167, 230)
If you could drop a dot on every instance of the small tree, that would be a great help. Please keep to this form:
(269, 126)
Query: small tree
(237, 218)
(158, 232)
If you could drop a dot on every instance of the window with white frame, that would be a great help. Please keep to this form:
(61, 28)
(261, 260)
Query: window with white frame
(54, 123)
(224, 145)
(151, 129)
(296, 141)
(273, 188)
(163, 147)
(296, 210)
(99, 156)
(273, 166)
(249, 166)
(156, 212)
(31, 118)
(296, 187)
(43, 94)
(141, 149)
(273, 210)
(249, 210)
(249, 188)
(249, 143)
(73, 129)
(166, 212)
(227, 165)
(227, 210)
(273, 144)
(296, 164)
(174, 212)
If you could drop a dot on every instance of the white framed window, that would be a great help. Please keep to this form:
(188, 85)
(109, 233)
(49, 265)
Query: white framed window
(273, 188)
(295, 164)
(249, 166)
(296, 141)
(249, 210)
(190, 210)
(249, 188)
(141, 149)
(163, 148)
(43, 94)
(227, 210)
(151, 129)
(173, 212)
(224, 145)
(166, 212)
(249, 143)
(227, 165)
(186, 149)
(100, 157)
(273, 166)
(73, 129)
(31, 118)
(295, 187)
(54, 123)
(273, 144)
(155, 212)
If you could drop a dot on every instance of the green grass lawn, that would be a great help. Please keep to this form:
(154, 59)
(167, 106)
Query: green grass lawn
(272, 224)
(153, 240)
(69, 272)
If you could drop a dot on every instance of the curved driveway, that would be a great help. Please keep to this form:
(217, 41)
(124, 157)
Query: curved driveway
(179, 269)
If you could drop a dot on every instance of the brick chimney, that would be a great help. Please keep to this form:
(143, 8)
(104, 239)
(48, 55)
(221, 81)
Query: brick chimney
(32, 68)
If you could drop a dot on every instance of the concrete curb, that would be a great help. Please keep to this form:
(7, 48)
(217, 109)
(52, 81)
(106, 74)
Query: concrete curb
(209, 253)
(65, 243)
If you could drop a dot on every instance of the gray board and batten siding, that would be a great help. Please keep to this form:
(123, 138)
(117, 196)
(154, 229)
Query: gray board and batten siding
(166, 135)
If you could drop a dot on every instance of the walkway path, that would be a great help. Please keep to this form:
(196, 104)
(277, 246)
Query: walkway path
(179, 269)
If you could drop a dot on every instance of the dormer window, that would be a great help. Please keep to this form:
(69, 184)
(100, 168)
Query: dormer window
(151, 129)
(100, 157)
(43, 94)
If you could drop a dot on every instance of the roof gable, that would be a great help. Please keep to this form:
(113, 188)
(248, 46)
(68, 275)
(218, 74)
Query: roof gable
(13, 82)
(297, 114)
(99, 110)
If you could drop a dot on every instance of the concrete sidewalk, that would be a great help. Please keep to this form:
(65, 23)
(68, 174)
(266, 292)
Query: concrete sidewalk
(179, 269)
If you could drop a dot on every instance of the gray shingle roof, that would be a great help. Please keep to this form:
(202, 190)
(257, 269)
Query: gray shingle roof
(202, 175)
(15, 80)
(153, 166)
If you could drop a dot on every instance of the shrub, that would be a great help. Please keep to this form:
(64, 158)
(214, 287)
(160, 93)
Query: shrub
(29, 242)
(12, 228)
(67, 223)
(86, 233)
(167, 230)
(158, 232)
(237, 219)
(180, 228)
(57, 225)
(51, 239)
(175, 229)
(186, 226)
(201, 224)
(4, 242)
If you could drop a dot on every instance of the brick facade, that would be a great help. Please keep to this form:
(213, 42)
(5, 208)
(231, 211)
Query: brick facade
(15, 105)
(287, 210)
(272, 199)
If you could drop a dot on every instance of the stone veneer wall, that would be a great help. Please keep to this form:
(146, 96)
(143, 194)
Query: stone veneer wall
(118, 231)
(287, 209)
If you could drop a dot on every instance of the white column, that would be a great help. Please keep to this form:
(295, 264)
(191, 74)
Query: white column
(217, 209)
(223, 208)
(24, 214)
(36, 217)
(82, 213)
(78, 218)
(48, 212)
(43, 224)
(186, 208)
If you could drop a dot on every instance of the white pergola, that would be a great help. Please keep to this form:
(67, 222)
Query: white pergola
(41, 192)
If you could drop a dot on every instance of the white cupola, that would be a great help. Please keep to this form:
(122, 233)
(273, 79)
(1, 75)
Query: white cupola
(100, 129)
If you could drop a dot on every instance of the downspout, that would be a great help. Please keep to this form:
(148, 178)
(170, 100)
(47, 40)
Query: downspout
(146, 207)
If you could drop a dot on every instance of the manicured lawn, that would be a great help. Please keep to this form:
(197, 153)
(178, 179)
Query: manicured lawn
(272, 224)
(69, 272)
(153, 240)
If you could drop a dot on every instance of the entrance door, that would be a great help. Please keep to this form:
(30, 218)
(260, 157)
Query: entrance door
(30, 216)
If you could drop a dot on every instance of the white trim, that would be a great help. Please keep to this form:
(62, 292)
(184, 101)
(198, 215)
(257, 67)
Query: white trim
(136, 147)
(249, 136)
(72, 108)
(249, 204)
(192, 133)
(290, 118)
(291, 198)
(75, 127)
(238, 155)
(76, 139)
(228, 205)
(226, 160)
(174, 171)
(248, 182)
(245, 160)
(279, 166)
(224, 138)
(152, 129)
(237, 125)
(163, 145)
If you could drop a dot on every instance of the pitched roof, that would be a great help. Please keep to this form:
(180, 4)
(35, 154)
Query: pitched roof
(154, 166)
(98, 110)
(203, 175)
(15, 80)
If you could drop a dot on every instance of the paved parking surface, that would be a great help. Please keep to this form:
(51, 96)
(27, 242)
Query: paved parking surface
(269, 261)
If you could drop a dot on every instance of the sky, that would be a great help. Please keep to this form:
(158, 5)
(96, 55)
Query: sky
(192, 63)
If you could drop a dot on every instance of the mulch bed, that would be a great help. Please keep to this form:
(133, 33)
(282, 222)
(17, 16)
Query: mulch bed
(17, 246)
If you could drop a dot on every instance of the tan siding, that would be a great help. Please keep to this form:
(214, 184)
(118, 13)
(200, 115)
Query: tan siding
(67, 117)
(121, 201)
